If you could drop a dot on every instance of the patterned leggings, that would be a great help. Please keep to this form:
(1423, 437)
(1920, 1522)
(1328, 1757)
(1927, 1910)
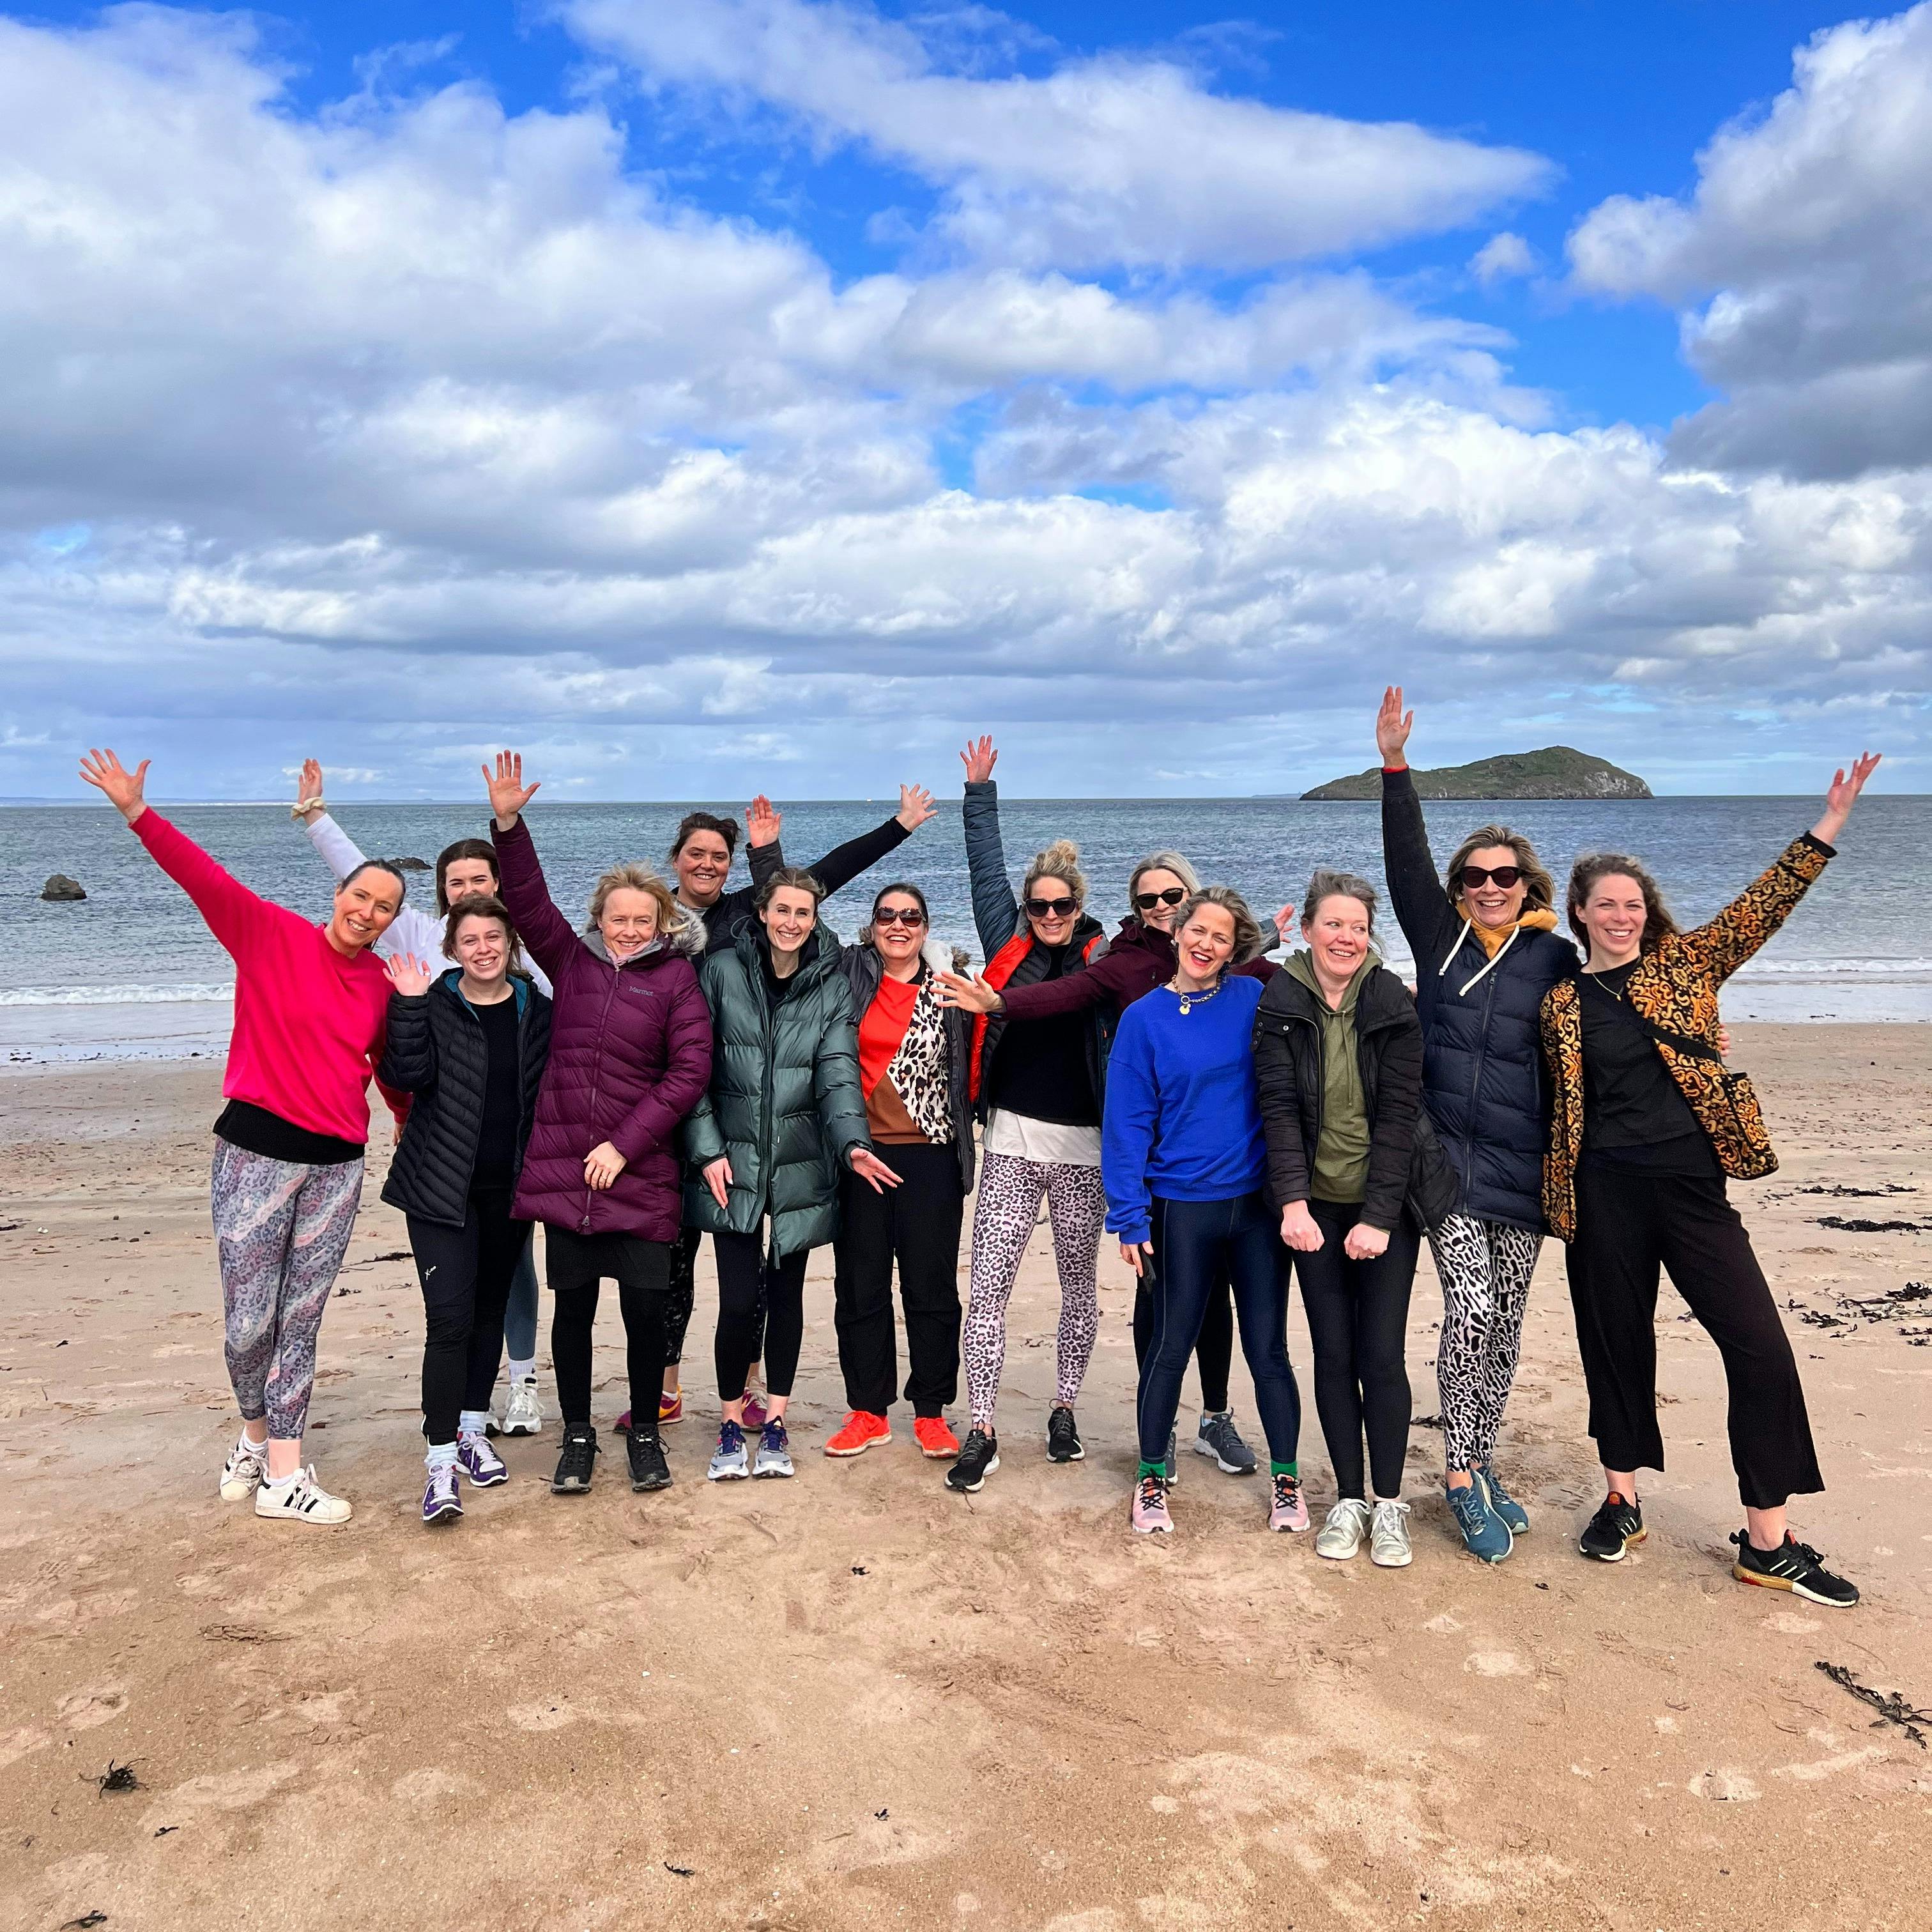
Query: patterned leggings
(281, 1231)
(1002, 1218)
(1484, 1268)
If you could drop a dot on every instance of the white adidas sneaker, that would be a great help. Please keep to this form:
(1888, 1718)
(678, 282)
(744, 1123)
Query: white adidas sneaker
(301, 1499)
(245, 1470)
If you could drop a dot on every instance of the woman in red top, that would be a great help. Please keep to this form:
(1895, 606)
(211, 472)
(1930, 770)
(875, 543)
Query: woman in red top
(310, 1004)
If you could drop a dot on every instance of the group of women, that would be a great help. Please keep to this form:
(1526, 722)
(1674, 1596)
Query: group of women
(692, 1061)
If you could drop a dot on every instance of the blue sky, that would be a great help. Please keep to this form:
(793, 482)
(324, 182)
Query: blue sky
(766, 393)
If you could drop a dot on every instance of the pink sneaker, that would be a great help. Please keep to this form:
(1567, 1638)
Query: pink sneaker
(756, 1414)
(1150, 1516)
(1289, 1508)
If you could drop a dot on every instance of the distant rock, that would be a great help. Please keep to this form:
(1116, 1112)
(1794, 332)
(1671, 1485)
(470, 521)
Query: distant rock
(411, 864)
(1555, 771)
(60, 886)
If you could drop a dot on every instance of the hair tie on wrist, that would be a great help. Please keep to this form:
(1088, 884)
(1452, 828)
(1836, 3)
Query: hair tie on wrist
(303, 807)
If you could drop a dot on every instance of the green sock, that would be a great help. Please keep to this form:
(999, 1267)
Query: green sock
(1152, 1469)
(1285, 1469)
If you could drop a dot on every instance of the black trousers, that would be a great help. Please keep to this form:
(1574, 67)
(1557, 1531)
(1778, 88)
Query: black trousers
(1213, 1351)
(915, 1224)
(1628, 1226)
(683, 1293)
(758, 1308)
(466, 1273)
(577, 1265)
(1358, 1320)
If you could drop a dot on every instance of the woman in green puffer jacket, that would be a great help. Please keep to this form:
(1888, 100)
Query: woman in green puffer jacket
(784, 1109)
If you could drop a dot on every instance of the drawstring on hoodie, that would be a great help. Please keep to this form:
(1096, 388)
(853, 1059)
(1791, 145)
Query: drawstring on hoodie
(1495, 960)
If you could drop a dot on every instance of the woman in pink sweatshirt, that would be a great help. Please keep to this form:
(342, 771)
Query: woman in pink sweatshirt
(310, 1004)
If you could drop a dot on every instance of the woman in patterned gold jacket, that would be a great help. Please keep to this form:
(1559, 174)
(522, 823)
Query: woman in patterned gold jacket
(1646, 1124)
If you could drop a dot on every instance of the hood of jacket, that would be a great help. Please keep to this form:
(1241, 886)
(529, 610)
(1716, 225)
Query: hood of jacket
(686, 934)
(1300, 966)
(817, 957)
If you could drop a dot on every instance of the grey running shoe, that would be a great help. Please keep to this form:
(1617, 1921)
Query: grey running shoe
(730, 1462)
(523, 1410)
(774, 1457)
(1388, 1536)
(1485, 1534)
(1341, 1536)
(1501, 1503)
(1218, 1438)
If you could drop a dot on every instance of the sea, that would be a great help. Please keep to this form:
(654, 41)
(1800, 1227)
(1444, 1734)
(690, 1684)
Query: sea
(130, 972)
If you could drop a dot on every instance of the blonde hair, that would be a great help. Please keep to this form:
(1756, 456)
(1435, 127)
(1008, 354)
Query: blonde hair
(1160, 862)
(1539, 890)
(629, 876)
(1329, 884)
(1060, 860)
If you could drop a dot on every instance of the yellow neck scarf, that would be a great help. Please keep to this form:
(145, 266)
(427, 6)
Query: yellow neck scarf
(1539, 919)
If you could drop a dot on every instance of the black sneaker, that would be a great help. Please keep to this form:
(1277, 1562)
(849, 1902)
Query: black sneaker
(573, 1467)
(1793, 1566)
(649, 1469)
(977, 1461)
(1063, 1438)
(1612, 1530)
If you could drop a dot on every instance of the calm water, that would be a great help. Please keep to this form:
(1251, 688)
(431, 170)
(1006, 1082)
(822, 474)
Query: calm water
(133, 969)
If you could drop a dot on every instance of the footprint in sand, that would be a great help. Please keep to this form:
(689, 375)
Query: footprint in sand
(92, 1704)
(1789, 1623)
(1497, 1663)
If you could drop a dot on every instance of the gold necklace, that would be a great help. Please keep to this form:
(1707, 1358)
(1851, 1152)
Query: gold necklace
(1189, 1001)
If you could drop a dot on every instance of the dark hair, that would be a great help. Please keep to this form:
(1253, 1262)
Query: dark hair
(797, 878)
(1658, 925)
(911, 891)
(463, 848)
(481, 905)
(378, 865)
(1332, 885)
(726, 829)
(1539, 888)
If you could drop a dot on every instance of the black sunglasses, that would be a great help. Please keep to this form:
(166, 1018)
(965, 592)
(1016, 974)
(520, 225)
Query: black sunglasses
(1051, 908)
(1147, 901)
(898, 915)
(1505, 876)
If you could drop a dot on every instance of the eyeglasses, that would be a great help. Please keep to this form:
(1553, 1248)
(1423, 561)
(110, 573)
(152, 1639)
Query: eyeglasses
(898, 915)
(1505, 876)
(1051, 908)
(1147, 901)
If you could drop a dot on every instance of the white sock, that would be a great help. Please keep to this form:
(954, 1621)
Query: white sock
(249, 1446)
(473, 1422)
(523, 1371)
(440, 1456)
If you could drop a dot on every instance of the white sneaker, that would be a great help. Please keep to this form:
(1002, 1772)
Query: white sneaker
(301, 1499)
(523, 1413)
(246, 1469)
(1341, 1536)
(1388, 1539)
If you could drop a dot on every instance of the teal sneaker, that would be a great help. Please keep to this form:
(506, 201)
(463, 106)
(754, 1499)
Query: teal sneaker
(1501, 1503)
(1484, 1533)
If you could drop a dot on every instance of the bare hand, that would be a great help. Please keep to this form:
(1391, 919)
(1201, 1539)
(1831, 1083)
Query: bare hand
(868, 1167)
(601, 1166)
(1298, 1228)
(1284, 921)
(408, 975)
(971, 993)
(761, 822)
(1842, 796)
(915, 806)
(105, 771)
(978, 759)
(1723, 1041)
(1392, 726)
(1131, 1253)
(1363, 1243)
(308, 787)
(509, 794)
(718, 1178)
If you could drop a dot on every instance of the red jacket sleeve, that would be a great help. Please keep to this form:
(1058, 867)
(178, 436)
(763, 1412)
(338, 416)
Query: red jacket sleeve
(238, 918)
(546, 935)
(654, 1121)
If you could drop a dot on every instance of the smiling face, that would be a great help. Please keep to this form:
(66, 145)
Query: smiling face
(1206, 943)
(364, 909)
(1613, 916)
(702, 863)
(1338, 937)
(1051, 908)
(1489, 903)
(628, 922)
(1162, 914)
(898, 927)
(790, 914)
(463, 878)
(481, 947)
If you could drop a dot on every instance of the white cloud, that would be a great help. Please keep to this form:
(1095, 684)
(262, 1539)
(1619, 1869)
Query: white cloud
(1107, 161)
(1503, 257)
(1808, 241)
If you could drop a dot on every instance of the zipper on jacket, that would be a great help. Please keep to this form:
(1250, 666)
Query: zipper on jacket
(596, 1083)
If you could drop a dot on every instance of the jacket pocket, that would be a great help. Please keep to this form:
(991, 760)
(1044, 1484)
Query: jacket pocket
(1744, 1144)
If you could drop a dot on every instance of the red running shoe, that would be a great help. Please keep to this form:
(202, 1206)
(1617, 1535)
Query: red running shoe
(861, 1430)
(936, 1438)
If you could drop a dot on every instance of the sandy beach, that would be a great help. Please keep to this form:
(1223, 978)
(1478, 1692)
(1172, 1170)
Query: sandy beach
(857, 1700)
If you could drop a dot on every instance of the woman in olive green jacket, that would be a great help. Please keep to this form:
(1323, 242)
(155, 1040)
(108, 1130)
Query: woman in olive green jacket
(784, 1110)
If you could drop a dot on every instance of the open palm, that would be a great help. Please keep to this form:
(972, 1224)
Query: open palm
(1392, 726)
(104, 771)
(979, 758)
(509, 794)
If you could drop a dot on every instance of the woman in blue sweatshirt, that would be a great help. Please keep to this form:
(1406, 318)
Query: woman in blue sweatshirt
(1183, 1159)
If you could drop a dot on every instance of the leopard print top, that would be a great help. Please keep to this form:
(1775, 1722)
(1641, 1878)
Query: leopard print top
(1676, 987)
(921, 1069)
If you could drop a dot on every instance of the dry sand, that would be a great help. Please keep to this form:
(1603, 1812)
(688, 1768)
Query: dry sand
(857, 1700)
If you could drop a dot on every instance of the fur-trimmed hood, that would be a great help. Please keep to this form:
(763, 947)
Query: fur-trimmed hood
(686, 935)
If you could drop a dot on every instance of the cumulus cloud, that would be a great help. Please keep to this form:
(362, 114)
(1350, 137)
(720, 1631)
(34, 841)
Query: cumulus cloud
(1808, 243)
(1503, 257)
(1103, 162)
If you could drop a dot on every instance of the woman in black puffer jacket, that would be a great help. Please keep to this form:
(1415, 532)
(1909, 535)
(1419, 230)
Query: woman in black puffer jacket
(470, 1046)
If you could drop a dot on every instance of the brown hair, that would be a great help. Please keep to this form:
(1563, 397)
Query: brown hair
(1539, 888)
(797, 878)
(629, 876)
(388, 865)
(1250, 942)
(465, 848)
(481, 905)
(726, 829)
(1060, 860)
(1332, 885)
(1658, 925)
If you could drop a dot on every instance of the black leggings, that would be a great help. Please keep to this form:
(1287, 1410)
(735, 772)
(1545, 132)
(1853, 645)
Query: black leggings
(1629, 1225)
(683, 1293)
(1213, 1352)
(577, 1264)
(466, 1273)
(757, 1307)
(1358, 1320)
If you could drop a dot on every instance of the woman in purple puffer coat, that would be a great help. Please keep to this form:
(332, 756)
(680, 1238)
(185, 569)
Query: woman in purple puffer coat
(630, 1056)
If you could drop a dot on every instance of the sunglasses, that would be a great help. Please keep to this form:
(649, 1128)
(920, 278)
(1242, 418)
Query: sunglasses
(1505, 876)
(898, 915)
(1051, 908)
(1147, 901)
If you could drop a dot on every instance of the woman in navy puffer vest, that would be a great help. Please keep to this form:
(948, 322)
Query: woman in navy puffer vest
(1486, 950)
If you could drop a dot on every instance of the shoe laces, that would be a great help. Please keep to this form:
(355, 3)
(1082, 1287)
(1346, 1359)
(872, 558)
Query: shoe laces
(1153, 1491)
(772, 1435)
(730, 1436)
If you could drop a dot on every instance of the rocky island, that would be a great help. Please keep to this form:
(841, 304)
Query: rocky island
(1556, 772)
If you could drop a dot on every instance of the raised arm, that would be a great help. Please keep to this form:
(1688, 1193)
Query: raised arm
(996, 912)
(544, 930)
(843, 863)
(763, 852)
(338, 851)
(1427, 920)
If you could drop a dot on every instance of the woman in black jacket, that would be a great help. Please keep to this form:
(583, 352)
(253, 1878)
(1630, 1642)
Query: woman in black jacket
(470, 1046)
(1354, 1169)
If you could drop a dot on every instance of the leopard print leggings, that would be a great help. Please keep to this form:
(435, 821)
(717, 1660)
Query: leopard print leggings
(1002, 1218)
(1484, 1268)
